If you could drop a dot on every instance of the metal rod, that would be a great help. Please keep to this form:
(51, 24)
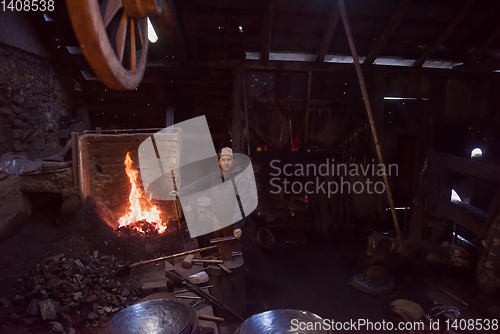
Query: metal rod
(193, 304)
(182, 291)
(177, 211)
(364, 92)
(452, 295)
(173, 256)
(188, 297)
(196, 290)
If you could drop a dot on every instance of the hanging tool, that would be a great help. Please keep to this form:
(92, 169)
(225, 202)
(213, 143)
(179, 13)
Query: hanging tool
(282, 128)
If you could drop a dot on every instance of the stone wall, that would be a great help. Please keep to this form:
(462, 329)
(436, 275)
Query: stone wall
(36, 104)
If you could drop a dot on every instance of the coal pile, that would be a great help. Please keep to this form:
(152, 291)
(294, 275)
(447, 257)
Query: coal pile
(68, 295)
(145, 228)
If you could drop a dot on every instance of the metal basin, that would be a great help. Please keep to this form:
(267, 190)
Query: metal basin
(280, 322)
(153, 317)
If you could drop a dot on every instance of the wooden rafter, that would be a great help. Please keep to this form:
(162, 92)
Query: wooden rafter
(447, 31)
(480, 52)
(189, 23)
(267, 26)
(327, 36)
(389, 29)
(169, 25)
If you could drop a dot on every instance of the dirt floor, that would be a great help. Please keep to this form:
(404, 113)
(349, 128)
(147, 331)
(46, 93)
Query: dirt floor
(40, 238)
(318, 278)
(315, 276)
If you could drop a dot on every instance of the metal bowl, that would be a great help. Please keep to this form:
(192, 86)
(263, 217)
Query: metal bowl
(280, 322)
(195, 323)
(153, 317)
(195, 327)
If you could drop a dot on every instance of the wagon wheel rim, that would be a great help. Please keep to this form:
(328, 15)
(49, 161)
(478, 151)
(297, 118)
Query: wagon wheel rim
(114, 39)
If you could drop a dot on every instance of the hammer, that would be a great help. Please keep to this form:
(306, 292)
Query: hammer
(225, 246)
(126, 268)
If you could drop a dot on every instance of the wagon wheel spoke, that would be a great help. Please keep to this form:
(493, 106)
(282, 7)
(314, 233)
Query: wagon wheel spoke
(121, 36)
(111, 7)
(133, 50)
(143, 36)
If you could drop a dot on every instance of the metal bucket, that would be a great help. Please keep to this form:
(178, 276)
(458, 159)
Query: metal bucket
(155, 317)
(281, 322)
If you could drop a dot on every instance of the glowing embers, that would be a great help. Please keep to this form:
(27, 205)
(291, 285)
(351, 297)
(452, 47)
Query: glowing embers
(142, 216)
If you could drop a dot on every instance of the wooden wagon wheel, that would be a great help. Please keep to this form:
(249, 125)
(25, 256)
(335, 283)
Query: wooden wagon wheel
(113, 35)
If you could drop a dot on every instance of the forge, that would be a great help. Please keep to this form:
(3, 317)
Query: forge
(109, 172)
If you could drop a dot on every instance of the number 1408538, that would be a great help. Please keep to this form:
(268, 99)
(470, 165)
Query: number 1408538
(27, 5)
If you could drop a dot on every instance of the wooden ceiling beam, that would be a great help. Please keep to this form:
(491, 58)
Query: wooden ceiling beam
(267, 26)
(389, 29)
(303, 66)
(327, 36)
(487, 66)
(447, 31)
(481, 51)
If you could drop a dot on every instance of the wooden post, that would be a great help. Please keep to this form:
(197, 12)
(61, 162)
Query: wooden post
(378, 103)
(308, 102)
(347, 27)
(245, 107)
(236, 113)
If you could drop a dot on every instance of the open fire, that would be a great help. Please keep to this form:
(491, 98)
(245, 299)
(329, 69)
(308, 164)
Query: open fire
(142, 215)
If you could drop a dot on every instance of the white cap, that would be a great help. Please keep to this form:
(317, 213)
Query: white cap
(226, 151)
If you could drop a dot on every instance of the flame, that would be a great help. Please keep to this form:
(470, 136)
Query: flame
(139, 212)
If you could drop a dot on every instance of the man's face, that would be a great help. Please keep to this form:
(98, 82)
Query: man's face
(226, 162)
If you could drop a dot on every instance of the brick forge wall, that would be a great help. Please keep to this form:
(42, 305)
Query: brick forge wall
(36, 105)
